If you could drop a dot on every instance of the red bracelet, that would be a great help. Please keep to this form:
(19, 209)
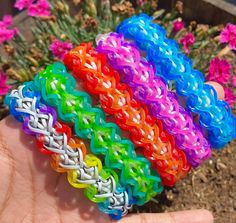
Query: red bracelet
(116, 98)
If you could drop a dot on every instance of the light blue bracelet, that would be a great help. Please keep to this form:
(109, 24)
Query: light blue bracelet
(215, 114)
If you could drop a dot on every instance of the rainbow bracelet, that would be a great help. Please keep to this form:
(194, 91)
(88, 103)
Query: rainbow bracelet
(58, 90)
(152, 91)
(215, 115)
(68, 153)
(115, 98)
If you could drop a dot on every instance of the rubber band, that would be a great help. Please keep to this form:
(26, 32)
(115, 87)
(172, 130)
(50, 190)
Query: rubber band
(215, 115)
(116, 98)
(68, 154)
(58, 90)
(153, 91)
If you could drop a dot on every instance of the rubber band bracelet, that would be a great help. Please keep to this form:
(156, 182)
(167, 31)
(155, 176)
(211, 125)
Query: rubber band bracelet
(215, 115)
(115, 98)
(68, 154)
(57, 88)
(153, 91)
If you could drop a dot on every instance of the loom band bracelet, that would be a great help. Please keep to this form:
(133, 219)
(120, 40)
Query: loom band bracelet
(56, 87)
(68, 152)
(116, 98)
(135, 81)
(215, 115)
(203, 155)
(176, 66)
(92, 160)
(193, 101)
(138, 27)
(180, 139)
(152, 91)
(142, 24)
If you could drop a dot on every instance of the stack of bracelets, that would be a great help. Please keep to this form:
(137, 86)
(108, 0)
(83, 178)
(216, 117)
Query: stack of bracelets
(165, 141)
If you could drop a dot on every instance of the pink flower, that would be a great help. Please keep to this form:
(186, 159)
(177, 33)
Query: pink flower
(36, 8)
(3, 87)
(40, 9)
(59, 48)
(140, 2)
(22, 4)
(229, 97)
(177, 26)
(6, 22)
(187, 40)
(219, 71)
(234, 81)
(7, 34)
(228, 35)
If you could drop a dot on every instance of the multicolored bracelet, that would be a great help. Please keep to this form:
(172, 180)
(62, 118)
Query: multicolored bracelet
(68, 153)
(152, 91)
(115, 98)
(58, 90)
(215, 115)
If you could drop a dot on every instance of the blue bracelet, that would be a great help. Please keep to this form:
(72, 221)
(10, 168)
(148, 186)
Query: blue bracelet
(215, 114)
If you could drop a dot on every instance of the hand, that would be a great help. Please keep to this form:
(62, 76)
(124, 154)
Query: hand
(30, 191)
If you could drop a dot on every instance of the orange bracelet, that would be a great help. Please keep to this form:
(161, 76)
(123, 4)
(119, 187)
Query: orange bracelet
(116, 98)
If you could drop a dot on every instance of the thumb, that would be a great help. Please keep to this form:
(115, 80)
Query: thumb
(192, 216)
(219, 89)
(220, 94)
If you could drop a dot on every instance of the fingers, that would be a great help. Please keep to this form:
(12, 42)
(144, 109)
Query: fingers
(220, 94)
(219, 89)
(193, 216)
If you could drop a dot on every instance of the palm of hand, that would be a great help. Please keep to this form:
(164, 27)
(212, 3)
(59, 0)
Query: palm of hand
(31, 191)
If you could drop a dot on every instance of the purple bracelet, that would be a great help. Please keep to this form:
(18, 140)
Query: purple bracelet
(153, 91)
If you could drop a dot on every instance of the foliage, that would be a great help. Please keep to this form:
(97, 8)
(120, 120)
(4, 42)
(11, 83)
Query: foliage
(79, 21)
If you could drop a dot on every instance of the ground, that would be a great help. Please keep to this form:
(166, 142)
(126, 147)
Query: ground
(211, 186)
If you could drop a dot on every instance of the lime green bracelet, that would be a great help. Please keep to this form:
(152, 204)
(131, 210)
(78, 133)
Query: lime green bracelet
(57, 87)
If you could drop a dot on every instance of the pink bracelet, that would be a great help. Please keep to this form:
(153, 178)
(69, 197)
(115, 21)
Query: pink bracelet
(153, 91)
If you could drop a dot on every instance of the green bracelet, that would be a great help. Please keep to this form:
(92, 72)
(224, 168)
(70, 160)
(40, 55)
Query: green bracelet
(57, 87)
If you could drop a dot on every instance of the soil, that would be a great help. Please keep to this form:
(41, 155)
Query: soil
(211, 186)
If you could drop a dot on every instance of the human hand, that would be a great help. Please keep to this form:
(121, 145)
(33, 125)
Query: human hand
(30, 191)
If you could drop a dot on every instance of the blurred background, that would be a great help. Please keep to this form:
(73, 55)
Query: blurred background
(6, 5)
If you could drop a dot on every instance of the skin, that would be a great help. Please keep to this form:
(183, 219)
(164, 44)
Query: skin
(32, 192)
